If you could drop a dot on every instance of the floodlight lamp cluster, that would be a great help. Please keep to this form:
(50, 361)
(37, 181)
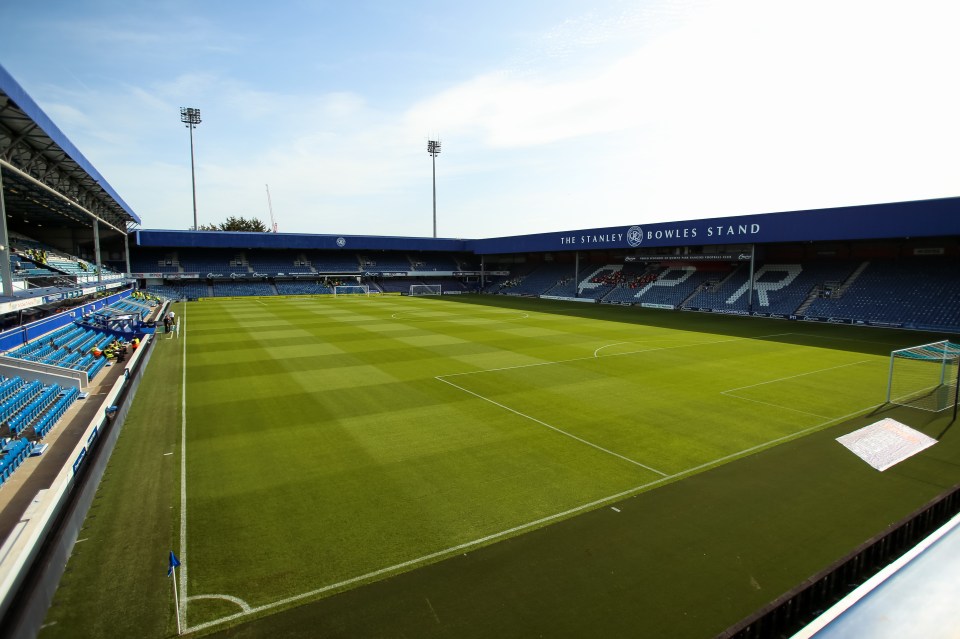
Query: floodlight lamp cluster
(433, 147)
(190, 116)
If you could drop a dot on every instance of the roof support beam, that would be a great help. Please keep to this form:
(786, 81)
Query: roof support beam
(5, 275)
(7, 166)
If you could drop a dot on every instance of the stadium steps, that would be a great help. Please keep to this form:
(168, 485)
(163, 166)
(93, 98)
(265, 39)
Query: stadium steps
(811, 298)
(683, 303)
(714, 286)
(837, 293)
(847, 283)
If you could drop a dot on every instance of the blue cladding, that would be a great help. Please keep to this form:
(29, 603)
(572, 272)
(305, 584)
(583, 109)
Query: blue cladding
(302, 241)
(923, 218)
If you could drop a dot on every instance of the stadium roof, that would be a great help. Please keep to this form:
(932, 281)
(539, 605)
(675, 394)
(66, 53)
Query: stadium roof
(921, 218)
(45, 177)
(894, 220)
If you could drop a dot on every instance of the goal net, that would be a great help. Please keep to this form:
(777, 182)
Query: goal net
(425, 289)
(351, 290)
(924, 377)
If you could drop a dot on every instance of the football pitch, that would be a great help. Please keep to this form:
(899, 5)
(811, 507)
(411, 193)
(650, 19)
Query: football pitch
(322, 444)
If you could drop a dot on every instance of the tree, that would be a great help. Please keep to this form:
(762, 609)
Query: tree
(235, 223)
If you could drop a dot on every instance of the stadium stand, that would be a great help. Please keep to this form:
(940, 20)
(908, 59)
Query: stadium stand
(434, 262)
(302, 288)
(927, 293)
(666, 285)
(164, 290)
(223, 261)
(52, 417)
(232, 289)
(192, 289)
(385, 262)
(146, 260)
(539, 281)
(779, 288)
(273, 262)
(334, 262)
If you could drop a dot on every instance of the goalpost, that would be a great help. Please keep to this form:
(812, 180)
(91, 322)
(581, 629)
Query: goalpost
(425, 289)
(351, 290)
(925, 377)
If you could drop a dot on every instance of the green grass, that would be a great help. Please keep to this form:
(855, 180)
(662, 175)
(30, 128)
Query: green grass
(332, 443)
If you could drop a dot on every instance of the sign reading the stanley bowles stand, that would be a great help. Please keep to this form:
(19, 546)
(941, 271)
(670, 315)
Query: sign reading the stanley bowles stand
(636, 235)
(922, 218)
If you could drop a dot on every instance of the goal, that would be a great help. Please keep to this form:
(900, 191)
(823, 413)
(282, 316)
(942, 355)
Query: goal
(351, 289)
(924, 377)
(425, 289)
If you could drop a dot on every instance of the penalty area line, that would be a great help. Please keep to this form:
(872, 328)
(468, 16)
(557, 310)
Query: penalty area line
(596, 356)
(781, 379)
(553, 428)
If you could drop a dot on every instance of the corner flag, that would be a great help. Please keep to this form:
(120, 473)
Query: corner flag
(174, 562)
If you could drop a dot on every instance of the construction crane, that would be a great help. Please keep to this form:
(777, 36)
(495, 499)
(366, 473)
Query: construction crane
(273, 223)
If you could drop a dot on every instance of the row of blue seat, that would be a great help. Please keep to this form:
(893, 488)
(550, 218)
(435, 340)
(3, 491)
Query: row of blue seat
(36, 345)
(51, 417)
(14, 454)
(20, 399)
(19, 422)
(9, 386)
(98, 364)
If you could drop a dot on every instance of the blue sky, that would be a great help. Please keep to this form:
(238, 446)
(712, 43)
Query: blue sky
(553, 114)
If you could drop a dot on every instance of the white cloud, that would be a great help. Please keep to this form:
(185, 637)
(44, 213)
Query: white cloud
(736, 107)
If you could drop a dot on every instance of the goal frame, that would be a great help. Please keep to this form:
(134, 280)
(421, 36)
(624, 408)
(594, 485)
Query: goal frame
(435, 289)
(363, 290)
(943, 355)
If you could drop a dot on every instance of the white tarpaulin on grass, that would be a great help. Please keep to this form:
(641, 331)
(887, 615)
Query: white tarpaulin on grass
(886, 443)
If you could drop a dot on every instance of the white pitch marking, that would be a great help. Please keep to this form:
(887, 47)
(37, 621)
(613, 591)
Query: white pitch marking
(581, 359)
(165, 454)
(661, 339)
(553, 428)
(493, 536)
(183, 477)
(614, 509)
(845, 339)
(411, 315)
(781, 407)
(608, 346)
(244, 606)
(435, 616)
(780, 379)
(503, 533)
(79, 540)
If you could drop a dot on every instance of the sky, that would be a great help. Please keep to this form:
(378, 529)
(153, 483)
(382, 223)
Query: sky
(552, 114)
